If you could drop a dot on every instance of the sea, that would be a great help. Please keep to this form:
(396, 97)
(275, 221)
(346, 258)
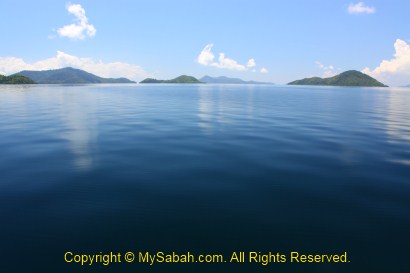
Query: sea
(268, 177)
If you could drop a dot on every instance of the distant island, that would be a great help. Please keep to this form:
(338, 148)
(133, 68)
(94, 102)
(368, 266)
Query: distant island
(180, 79)
(67, 75)
(71, 75)
(15, 79)
(227, 80)
(204, 79)
(348, 78)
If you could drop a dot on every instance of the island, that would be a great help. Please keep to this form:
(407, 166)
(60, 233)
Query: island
(15, 79)
(227, 80)
(67, 75)
(180, 79)
(347, 78)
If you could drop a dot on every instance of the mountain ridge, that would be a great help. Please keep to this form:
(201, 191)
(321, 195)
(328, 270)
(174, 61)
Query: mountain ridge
(228, 80)
(68, 75)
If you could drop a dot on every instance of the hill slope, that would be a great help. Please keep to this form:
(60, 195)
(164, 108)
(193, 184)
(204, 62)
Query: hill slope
(227, 80)
(180, 79)
(15, 79)
(68, 75)
(348, 78)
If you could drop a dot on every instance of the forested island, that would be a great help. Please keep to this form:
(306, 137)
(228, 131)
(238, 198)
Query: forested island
(15, 79)
(180, 79)
(347, 78)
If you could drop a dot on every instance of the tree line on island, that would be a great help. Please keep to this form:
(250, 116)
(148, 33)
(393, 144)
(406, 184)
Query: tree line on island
(15, 79)
(347, 78)
(204, 79)
(71, 75)
(180, 79)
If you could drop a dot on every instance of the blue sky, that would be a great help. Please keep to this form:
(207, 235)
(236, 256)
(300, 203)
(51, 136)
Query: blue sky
(277, 41)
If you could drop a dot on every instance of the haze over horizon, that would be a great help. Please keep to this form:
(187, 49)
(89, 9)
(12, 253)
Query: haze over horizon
(260, 40)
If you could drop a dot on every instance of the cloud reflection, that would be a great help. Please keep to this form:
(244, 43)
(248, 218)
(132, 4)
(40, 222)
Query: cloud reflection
(205, 109)
(81, 130)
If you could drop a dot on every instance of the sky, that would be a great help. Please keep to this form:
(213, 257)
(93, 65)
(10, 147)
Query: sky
(265, 40)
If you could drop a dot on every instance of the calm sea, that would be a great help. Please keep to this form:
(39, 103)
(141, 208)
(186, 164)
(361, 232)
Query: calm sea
(210, 169)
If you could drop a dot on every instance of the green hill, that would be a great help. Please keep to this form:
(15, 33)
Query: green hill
(180, 79)
(150, 80)
(348, 78)
(15, 79)
(68, 75)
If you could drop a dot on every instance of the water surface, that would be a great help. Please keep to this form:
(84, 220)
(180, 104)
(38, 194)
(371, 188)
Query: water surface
(206, 169)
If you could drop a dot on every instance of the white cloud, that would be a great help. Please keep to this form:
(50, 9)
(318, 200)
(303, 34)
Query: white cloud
(228, 63)
(395, 71)
(251, 63)
(264, 70)
(328, 71)
(206, 57)
(321, 66)
(10, 65)
(359, 8)
(80, 28)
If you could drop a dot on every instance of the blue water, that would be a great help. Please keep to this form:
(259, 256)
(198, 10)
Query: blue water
(206, 169)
